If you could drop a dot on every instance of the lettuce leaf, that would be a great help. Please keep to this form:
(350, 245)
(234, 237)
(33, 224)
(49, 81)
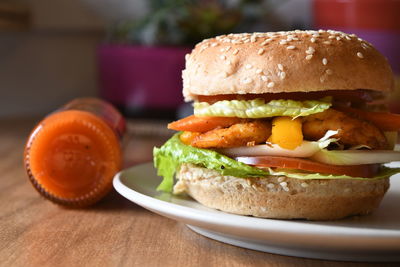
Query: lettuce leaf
(173, 153)
(257, 108)
(168, 158)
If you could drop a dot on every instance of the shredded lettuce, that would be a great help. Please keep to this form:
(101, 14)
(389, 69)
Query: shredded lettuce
(173, 153)
(257, 108)
(383, 173)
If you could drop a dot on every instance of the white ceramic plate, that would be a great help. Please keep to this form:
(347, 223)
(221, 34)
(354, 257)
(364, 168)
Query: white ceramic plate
(365, 238)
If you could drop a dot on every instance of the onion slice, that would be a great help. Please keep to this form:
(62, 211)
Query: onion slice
(305, 150)
(355, 157)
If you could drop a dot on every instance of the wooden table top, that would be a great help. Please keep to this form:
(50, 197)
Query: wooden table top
(114, 232)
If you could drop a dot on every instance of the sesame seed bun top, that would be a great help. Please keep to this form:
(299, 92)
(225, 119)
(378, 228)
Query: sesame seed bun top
(276, 62)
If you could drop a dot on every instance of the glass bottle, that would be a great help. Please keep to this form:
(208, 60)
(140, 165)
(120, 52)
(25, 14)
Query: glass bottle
(72, 155)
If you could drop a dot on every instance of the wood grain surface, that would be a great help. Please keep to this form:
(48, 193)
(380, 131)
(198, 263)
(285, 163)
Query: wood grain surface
(114, 232)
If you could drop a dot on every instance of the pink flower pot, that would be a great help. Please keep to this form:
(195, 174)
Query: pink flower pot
(142, 81)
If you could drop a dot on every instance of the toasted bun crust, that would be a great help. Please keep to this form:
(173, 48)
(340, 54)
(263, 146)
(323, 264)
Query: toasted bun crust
(296, 61)
(281, 197)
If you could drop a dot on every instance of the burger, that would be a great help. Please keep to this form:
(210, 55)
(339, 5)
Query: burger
(286, 125)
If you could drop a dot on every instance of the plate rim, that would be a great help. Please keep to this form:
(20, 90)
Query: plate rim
(237, 221)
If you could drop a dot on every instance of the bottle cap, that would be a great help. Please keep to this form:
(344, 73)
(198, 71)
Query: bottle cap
(71, 158)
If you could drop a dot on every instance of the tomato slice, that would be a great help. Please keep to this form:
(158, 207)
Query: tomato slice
(355, 96)
(385, 121)
(366, 170)
(202, 124)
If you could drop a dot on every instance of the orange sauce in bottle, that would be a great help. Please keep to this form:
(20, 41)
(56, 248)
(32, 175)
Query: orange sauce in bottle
(73, 154)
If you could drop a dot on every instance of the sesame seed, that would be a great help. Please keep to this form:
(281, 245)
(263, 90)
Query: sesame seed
(248, 66)
(338, 38)
(327, 42)
(324, 61)
(322, 79)
(295, 39)
(282, 42)
(283, 184)
(235, 51)
(222, 50)
(187, 57)
(205, 46)
(263, 209)
(291, 47)
(253, 38)
(329, 72)
(266, 41)
(223, 57)
(280, 67)
(227, 48)
(286, 188)
(331, 37)
(348, 37)
(309, 57)
(247, 80)
(259, 71)
(264, 78)
(261, 51)
(270, 185)
(283, 75)
(313, 40)
(360, 55)
(364, 45)
(310, 50)
(214, 44)
(304, 184)
(271, 84)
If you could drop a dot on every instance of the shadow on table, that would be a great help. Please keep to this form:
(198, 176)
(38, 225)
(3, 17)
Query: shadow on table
(247, 257)
(115, 202)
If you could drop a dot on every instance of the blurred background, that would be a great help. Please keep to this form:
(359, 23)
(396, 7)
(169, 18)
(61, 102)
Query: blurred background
(131, 52)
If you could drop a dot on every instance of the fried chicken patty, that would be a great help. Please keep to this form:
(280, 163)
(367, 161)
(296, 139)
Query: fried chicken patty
(239, 134)
(352, 131)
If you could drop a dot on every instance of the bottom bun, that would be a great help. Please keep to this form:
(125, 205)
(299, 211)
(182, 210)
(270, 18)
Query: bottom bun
(281, 197)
